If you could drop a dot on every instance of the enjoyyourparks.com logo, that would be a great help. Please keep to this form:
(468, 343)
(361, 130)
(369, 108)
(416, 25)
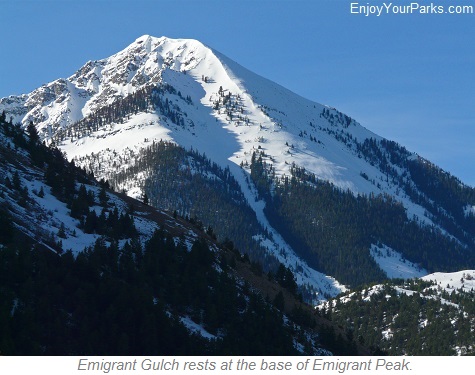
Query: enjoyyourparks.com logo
(378, 9)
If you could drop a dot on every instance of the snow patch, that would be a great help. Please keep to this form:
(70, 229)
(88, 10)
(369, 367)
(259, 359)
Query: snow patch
(469, 210)
(394, 264)
(196, 328)
(453, 281)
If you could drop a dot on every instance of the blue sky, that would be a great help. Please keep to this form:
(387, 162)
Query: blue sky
(409, 78)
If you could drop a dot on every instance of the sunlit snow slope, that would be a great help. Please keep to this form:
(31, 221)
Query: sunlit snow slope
(226, 111)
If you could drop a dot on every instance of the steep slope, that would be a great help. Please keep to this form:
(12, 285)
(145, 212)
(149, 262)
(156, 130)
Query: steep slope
(111, 113)
(85, 270)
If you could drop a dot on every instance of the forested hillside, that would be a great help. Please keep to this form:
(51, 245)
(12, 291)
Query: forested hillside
(147, 283)
(334, 229)
(416, 317)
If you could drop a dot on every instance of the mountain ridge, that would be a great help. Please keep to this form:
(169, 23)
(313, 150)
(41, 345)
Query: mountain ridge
(205, 101)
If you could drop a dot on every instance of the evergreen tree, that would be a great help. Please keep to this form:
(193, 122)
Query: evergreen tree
(33, 134)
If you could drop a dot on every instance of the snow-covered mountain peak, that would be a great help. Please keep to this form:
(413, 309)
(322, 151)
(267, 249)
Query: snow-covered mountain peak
(253, 114)
(59, 104)
(180, 90)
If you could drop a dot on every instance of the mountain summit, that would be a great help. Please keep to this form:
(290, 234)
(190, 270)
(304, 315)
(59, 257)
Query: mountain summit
(282, 177)
(256, 114)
